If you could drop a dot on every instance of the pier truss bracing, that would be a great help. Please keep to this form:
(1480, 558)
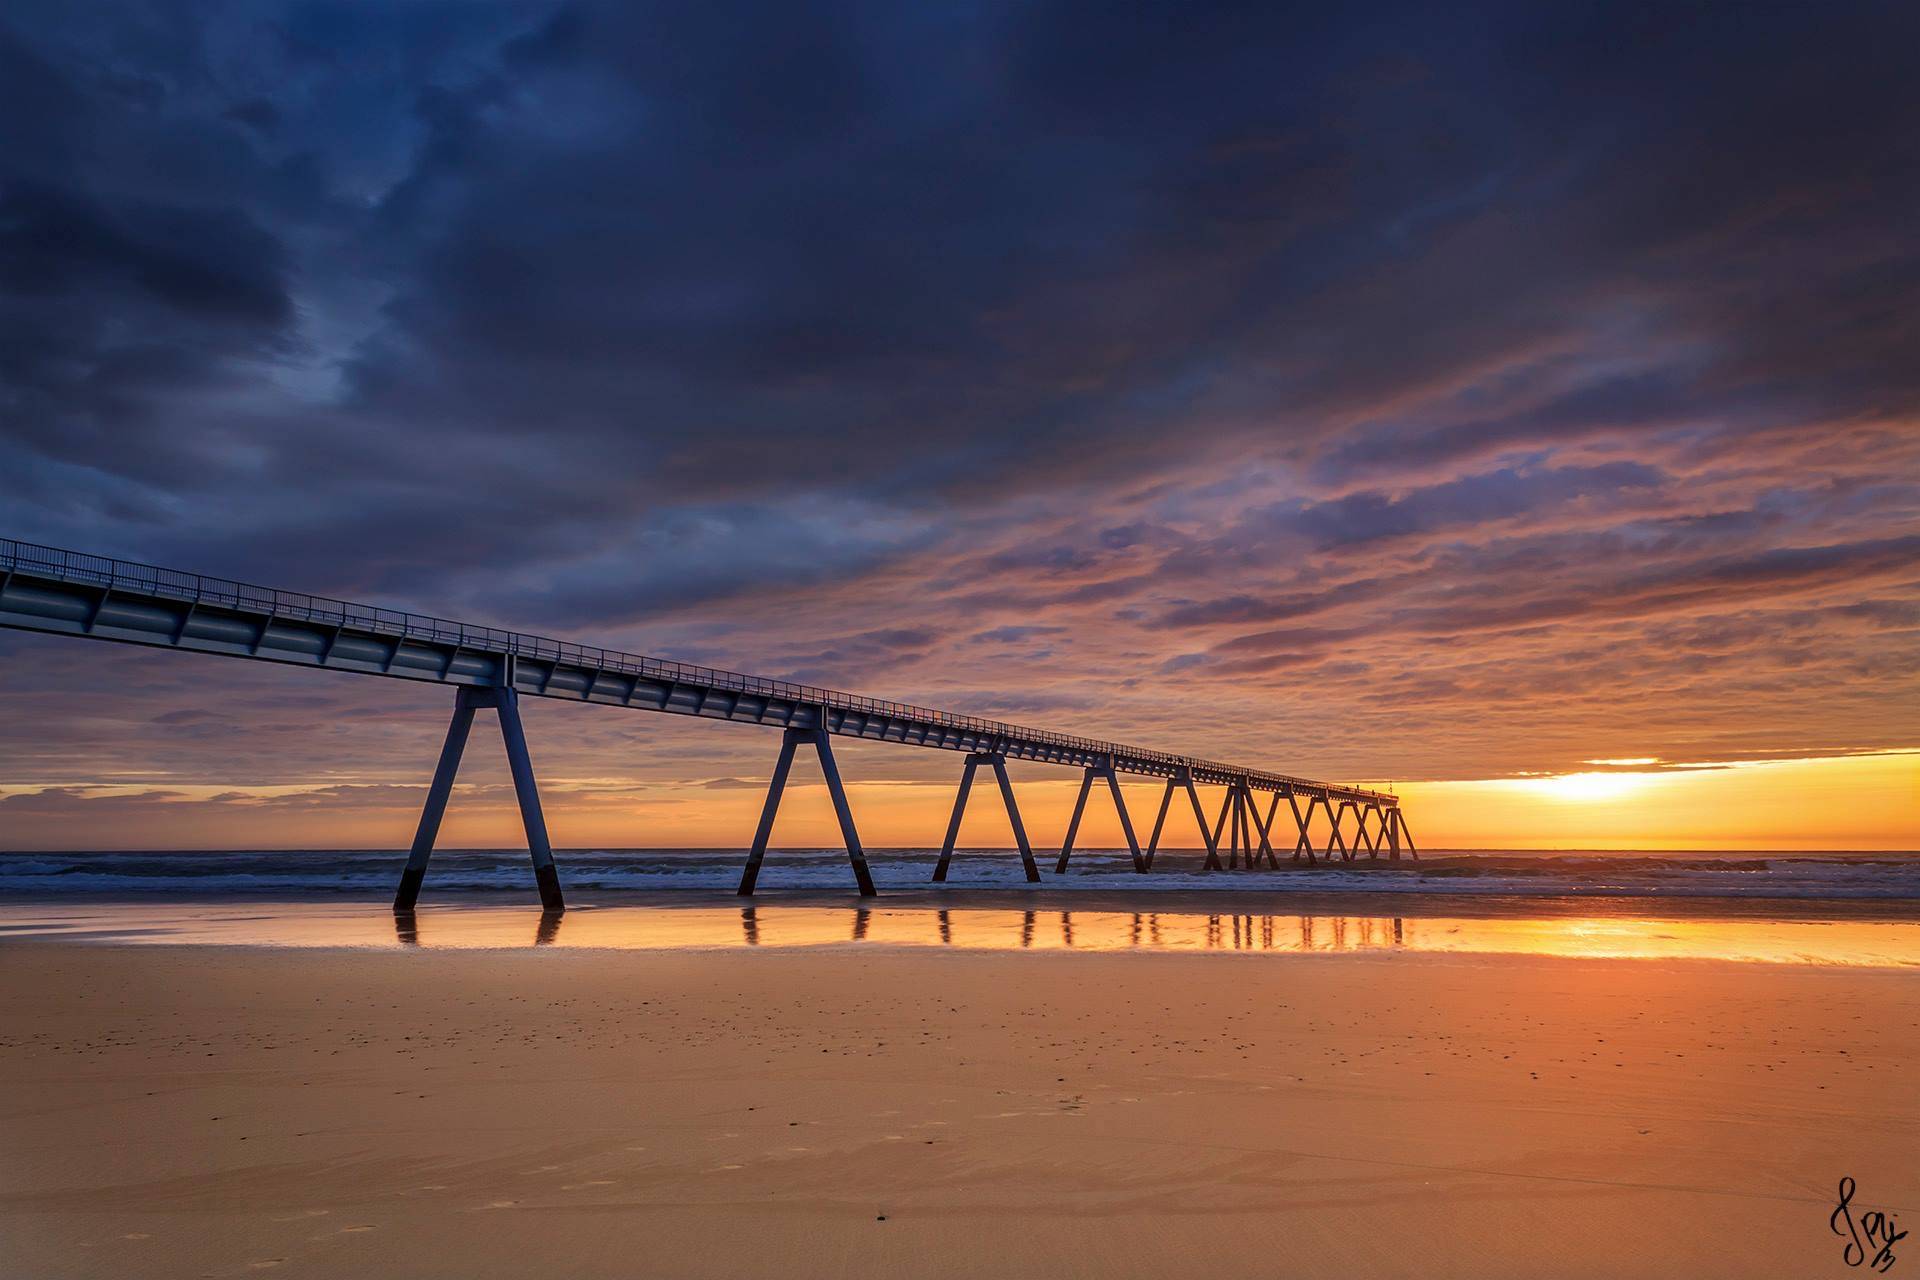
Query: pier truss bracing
(70, 593)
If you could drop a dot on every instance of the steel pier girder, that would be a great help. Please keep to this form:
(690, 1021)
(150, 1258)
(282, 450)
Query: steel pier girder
(59, 592)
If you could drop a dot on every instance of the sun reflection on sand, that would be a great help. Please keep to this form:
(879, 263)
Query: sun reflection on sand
(1833, 942)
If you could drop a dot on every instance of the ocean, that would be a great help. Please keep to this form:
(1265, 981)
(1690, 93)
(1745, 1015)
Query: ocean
(477, 873)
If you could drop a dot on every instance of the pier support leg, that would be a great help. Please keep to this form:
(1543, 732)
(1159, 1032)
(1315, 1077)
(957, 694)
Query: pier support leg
(436, 807)
(856, 855)
(1400, 825)
(528, 794)
(1392, 820)
(953, 823)
(466, 701)
(1200, 819)
(1013, 815)
(1266, 831)
(999, 766)
(758, 853)
(1236, 827)
(1073, 824)
(1160, 822)
(1220, 829)
(1242, 839)
(1243, 816)
(1338, 838)
(1126, 822)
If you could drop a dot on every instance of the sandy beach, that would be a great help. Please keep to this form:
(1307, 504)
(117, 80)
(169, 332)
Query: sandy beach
(192, 1109)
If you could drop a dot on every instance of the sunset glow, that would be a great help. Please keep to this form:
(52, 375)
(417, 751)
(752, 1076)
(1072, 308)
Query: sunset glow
(1858, 802)
(1378, 426)
(1588, 787)
(838, 639)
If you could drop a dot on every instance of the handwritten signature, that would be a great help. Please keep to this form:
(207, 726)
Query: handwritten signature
(1872, 1229)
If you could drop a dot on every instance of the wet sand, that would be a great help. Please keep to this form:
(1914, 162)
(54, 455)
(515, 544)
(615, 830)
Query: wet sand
(884, 1107)
(1881, 933)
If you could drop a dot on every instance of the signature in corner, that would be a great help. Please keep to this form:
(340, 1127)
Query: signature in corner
(1873, 1230)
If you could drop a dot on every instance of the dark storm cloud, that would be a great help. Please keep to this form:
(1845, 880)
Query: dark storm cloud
(1296, 604)
(1014, 635)
(1176, 339)
(951, 249)
(1373, 515)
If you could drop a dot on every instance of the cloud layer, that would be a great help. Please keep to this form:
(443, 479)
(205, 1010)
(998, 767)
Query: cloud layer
(1399, 394)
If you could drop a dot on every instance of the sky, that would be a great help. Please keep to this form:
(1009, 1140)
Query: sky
(1516, 404)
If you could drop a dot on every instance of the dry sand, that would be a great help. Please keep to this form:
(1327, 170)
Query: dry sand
(193, 1110)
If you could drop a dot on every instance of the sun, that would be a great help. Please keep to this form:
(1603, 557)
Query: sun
(1582, 787)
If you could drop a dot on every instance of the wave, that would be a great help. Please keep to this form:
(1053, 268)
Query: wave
(360, 873)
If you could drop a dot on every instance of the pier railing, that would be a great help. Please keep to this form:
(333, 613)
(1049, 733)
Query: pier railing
(112, 575)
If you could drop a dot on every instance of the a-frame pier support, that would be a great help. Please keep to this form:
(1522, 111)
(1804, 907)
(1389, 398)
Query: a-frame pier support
(999, 765)
(466, 701)
(824, 749)
(1338, 838)
(1119, 803)
(1363, 839)
(1305, 820)
(1184, 782)
(1304, 844)
(1240, 820)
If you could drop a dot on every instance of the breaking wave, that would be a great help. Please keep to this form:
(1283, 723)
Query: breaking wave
(362, 873)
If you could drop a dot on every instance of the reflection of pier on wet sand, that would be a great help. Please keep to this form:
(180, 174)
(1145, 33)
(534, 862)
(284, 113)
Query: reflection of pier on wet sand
(1838, 939)
(1045, 930)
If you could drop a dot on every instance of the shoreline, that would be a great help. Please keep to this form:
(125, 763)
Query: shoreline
(1096, 879)
(1223, 901)
(1812, 935)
